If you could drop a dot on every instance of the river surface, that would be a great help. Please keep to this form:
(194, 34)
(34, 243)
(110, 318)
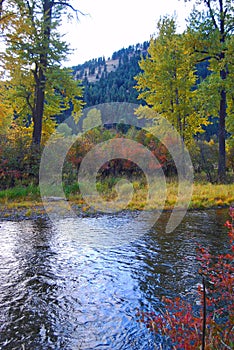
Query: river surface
(59, 292)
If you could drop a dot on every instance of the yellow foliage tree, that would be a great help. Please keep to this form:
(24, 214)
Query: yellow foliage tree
(210, 33)
(39, 89)
(168, 79)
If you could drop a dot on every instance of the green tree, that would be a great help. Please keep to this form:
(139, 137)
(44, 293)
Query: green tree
(92, 119)
(39, 87)
(210, 33)
(168, 79)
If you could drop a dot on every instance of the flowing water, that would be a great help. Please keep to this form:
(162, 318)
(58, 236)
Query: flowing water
(58, 291)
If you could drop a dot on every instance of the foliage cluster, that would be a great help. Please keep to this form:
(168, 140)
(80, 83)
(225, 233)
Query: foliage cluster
(19, 164)
(208, 325)
(115, 168)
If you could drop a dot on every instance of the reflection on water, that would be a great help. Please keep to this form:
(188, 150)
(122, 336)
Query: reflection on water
(57, 291)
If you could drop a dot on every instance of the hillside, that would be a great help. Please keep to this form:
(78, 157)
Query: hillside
(111, 80)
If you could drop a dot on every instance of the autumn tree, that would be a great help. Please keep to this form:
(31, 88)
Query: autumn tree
(5, 109)
(168, 79)
(39, 88)
(210, 33)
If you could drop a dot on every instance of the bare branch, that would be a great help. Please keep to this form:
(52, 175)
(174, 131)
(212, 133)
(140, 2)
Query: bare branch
(230, 29)
(206, 58)
(201, 51)
(63, 3)
(208, 4)
(28, 101)
(204, 314)
(226, 346)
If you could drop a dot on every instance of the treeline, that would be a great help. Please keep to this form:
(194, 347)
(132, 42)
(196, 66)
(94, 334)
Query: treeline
(185, 78)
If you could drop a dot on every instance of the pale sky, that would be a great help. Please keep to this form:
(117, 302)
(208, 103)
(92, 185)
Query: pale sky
(112, 25)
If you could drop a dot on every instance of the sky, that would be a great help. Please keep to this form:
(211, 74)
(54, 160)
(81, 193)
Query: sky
(109, 25)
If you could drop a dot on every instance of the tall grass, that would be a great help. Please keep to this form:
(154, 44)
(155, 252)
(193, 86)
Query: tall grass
(205, 195)
(20, 193)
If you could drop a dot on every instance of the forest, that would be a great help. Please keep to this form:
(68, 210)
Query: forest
(186, 78)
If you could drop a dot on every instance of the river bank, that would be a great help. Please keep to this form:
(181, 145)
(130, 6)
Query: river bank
(25, 203)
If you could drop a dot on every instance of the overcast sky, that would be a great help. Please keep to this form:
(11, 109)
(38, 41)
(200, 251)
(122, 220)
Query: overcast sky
(111, 25)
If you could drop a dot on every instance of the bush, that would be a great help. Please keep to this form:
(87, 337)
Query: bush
(182, 325)
(19, 163)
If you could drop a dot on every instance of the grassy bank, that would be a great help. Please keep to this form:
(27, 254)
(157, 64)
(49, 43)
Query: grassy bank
(205, 195)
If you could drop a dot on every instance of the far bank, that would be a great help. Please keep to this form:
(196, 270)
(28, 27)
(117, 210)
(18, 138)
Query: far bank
(25, 202)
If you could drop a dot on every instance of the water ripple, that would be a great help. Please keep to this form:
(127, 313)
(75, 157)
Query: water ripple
(59, 291)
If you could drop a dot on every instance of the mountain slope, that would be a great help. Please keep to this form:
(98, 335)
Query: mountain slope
(111, 80)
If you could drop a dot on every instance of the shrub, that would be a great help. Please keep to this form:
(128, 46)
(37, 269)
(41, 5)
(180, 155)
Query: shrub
(210, 325)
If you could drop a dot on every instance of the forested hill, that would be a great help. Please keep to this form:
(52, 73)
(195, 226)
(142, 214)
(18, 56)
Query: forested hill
(111, 80)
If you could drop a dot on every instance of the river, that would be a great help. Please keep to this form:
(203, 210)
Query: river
(58, 291)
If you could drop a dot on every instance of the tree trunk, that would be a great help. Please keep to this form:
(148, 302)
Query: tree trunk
(222, 136)
(223, 102)
(41, 78)
(39, 109)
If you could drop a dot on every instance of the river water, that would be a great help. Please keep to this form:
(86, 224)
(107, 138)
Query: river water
(59, 292)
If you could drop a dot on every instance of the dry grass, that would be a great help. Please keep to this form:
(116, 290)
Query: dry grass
(205, 195)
